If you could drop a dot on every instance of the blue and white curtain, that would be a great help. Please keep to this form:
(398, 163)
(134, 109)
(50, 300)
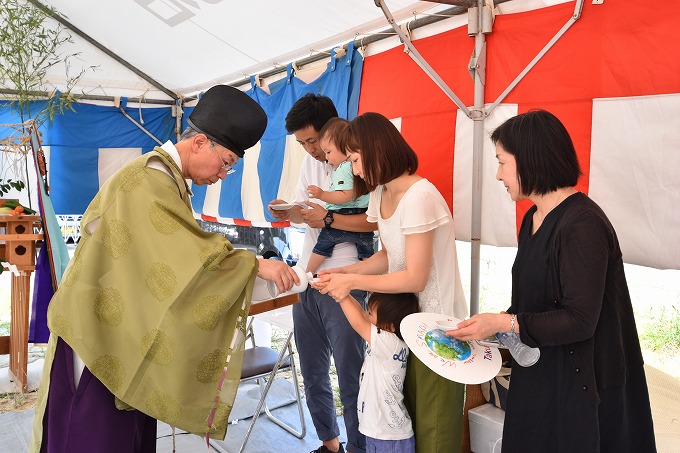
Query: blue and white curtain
(86, 146)
(270, 169)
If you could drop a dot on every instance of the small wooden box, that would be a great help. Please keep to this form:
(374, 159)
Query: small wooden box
(18, 238)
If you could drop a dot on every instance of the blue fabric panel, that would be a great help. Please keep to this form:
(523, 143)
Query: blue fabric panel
(340, 82)
(75, 138)
(93, 126)
(232, 185)
(9, 116)
(74, 178)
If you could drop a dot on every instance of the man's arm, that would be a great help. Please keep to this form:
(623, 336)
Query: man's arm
(292, 214)
(346, 222)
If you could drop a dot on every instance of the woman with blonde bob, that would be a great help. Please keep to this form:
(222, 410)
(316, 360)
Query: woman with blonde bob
(418, 255)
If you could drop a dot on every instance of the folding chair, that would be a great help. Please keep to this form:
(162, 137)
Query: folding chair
(263, 364)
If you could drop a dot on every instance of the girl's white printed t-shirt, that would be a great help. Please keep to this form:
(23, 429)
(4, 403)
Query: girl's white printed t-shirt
(382, 413)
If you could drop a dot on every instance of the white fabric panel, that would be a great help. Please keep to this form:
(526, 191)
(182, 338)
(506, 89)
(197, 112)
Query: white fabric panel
(498, 210)
(112, 159)
(14, 168)
(290, 173)
(397, 123)
(526, 5)
(212, 199)
(634, 164)
(250, 186)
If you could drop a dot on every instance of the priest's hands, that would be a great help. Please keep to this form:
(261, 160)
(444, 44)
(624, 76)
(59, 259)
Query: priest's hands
(279, 272)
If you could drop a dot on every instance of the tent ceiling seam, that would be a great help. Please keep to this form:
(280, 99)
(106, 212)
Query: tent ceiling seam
(366, 40)
(59, 18)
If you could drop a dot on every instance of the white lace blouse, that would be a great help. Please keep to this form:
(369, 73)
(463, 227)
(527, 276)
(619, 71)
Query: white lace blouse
(422, 209)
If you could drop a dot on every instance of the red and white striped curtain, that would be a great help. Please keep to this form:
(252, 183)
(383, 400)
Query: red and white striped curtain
(613, 79)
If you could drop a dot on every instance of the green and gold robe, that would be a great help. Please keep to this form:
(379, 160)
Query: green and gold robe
(153, 305)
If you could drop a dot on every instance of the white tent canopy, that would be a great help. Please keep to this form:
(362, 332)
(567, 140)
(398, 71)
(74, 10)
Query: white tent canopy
(162, 50)
(187, 46)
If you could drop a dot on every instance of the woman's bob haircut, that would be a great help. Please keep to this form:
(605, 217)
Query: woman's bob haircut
(385, 155)
(543, 151)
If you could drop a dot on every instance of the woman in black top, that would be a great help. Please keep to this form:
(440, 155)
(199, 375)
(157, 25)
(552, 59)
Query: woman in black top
(587, 393)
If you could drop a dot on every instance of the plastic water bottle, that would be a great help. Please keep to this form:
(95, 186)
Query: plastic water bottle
(266, 289)
(522, 354)
(304, 276)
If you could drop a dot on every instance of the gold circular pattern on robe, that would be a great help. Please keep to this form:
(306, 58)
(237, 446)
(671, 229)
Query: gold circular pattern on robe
(209, 369)
(163, 406)
(110, 370)
(73, 271)
(132, 175)
(157, 347)
(209, 255)
(208, 311)
(221, 416)
(162, 218)
(117, 238)
(94, 205)
(109, 307)
(161, 281)
(61, 326)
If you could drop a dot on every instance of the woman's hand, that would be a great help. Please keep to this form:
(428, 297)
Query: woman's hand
(335, 270)
(335, 285)
(478, 326)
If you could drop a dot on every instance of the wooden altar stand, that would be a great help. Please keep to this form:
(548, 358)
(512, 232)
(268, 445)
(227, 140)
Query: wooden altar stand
(17, 247)
(257, 308)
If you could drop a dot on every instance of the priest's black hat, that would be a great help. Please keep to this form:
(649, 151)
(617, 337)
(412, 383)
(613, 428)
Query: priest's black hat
(229, 117)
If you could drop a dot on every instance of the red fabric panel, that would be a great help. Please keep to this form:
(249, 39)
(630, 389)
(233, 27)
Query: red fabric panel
(394, 85)
(432, 138)
(617, 49)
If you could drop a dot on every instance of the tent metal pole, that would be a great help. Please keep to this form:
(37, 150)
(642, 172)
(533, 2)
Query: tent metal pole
(117, 103)
(478, 69)
(379, 36)
(92, 97)
(59, 18)
(420, 61)
(576, 16)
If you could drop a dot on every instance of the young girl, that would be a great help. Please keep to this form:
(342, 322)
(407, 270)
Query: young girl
(343, 197)
(418, 255)
(383, 418)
